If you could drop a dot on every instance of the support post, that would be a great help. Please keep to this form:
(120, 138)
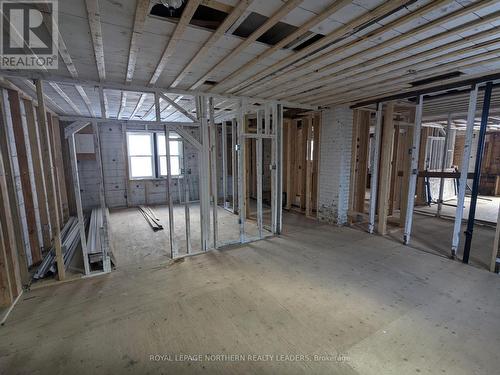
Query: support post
(477, 171)
(412, 184)
(78, 198)
(374, 169)
(278, 133)
(241, 169)
(213, 168)
(464, 170)
(259, 173)
(224, 162)
(173, 249)
(234, 177)
(106, 261)
(496, 242)
(385, 169)
(50, 179)
(443, 165)
(201, 110)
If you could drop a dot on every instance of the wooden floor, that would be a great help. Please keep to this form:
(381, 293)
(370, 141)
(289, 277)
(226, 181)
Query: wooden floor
(367, 303)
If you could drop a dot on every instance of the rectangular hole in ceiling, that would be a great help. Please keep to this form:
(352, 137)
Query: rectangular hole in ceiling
(271, 37)
(204, 16)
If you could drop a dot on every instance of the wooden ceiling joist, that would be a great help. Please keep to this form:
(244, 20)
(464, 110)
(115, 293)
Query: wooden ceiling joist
(270, 22)
(296, 35)
(94, 16)
(187, 14)
(376, 76)
(236, 14)
(371, 68)
(386, 8)
(317, 74)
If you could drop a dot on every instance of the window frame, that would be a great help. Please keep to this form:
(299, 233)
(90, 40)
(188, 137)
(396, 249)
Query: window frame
(152, 156)
(155, 157)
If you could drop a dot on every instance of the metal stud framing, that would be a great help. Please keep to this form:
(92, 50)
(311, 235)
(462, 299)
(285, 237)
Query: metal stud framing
(374, 169)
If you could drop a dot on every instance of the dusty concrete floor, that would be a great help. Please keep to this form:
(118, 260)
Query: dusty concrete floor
(486, 208)
(383, 307)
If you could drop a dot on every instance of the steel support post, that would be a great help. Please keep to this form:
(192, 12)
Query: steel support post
(412, 184)
(443, 165)
(374, 169)
(477, 170)
(213, 169)
(464, 170)
(258, 148)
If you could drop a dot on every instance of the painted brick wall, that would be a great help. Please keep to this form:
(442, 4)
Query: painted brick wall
(335, 165)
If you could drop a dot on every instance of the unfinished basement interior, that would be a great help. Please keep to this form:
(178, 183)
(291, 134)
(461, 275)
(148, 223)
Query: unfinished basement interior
(250, 187)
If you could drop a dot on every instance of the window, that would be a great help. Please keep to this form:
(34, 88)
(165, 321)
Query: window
(175, 145)
(140, 155)
(147, 154)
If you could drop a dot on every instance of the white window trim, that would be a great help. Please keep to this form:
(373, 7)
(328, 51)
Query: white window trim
(152, 156)
(155, 157)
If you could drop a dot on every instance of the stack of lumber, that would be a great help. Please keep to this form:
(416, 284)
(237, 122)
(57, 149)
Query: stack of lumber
(151, 218)
(95, 235)
(70, 238)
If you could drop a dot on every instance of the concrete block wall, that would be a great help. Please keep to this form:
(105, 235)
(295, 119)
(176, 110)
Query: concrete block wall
(114, 170)
(335, 164)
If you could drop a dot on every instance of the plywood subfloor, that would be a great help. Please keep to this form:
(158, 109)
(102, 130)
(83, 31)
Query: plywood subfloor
(385, 308)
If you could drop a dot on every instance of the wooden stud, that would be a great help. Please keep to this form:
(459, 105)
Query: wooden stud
(36, 158)
(27, 188)
(385, 168)
(49, 170)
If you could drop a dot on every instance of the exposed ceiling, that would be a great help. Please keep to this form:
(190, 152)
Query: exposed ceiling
(350, 51)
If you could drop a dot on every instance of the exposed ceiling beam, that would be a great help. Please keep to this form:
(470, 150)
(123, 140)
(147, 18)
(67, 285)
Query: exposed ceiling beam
(141, 12)
(181, 26)
(296, 35)
(178, 107)
(316, 74)
(403, 83)
(110, 85)
(270, 22)
(66, 98)
(228, 21)
(389, 61)
(96, 32)
(366, 19)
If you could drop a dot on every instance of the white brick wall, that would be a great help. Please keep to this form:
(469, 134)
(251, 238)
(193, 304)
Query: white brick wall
(335, 165)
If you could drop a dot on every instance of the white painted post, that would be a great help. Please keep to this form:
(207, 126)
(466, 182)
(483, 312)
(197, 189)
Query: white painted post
(78, 199)
(259, 173)
(213, 169)
(464, 170)
(443, 165)
(224, 162)
(204, 173)
(106, 261)
(279, 167)
(241, 169)
(274, 170)
(234, 177)
(412, 184)
(374, 169)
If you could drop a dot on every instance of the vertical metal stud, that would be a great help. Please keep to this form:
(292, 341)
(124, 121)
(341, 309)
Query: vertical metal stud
(464, 170)
(374, 169)
(412, 185)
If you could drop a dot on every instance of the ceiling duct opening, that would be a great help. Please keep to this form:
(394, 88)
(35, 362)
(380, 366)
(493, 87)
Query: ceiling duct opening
(206, 17)
(271, 37)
